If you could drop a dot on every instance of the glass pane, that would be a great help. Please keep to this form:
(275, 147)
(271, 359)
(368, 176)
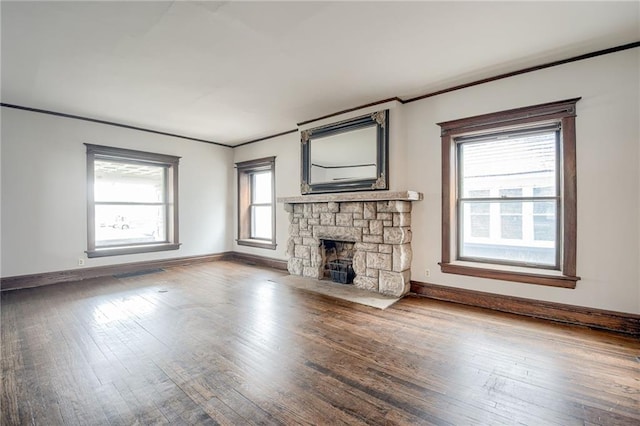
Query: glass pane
(261, 222)
(480, 226)
(123, 224)
(544, 221)
(117, 181)
(526, 238)
(544, 228)
(547, 191)
(477, 218)
(261, 187)
(479, 193)
(511, 227)
(544, 207)
(479, 208)
(513, 162)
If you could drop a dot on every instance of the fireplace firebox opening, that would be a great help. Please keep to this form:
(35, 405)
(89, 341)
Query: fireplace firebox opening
(338, 261)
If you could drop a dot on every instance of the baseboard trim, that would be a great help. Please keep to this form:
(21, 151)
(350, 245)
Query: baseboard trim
(47, 278)
(590, 317)
(256, 260)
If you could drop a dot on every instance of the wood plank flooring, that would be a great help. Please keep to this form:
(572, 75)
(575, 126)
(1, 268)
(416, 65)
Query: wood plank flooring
(219, 343)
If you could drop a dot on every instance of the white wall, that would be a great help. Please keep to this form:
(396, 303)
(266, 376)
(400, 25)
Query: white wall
(44, 191)
(607, 169)
(608, 160)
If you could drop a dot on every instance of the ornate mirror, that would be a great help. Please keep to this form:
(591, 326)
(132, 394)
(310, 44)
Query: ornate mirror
(347, 156)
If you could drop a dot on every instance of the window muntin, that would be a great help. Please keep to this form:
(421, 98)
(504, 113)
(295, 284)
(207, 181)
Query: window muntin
(256, 203)
(132, 201)
(547, 214)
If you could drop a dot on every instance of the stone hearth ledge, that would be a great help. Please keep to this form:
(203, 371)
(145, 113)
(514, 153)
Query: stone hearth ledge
(342, 197)
(378, 223)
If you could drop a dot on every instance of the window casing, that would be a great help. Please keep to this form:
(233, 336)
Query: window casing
(256, 203)
(132, 201)
(509, 195)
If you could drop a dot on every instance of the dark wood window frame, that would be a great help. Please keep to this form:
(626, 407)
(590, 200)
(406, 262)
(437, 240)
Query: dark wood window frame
(245, 171)
(170, 162)
(562, 112)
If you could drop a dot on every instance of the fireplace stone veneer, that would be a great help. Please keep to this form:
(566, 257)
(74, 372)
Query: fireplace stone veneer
(379, 223)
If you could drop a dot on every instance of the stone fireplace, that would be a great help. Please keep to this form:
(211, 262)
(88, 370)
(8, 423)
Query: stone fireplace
(378, 224)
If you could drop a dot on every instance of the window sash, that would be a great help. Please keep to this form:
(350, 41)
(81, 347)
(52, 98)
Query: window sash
(131, 221)
(505, 216)
(253, 211)
(254, 234)
(255, 194)
(474, 246)
(164, 169)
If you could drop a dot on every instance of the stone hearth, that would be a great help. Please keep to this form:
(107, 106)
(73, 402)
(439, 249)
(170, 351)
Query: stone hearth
(379, 223)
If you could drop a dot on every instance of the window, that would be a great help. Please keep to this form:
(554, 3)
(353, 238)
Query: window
(512, 165)
(509, 195)
(132, 201)
(256, 203)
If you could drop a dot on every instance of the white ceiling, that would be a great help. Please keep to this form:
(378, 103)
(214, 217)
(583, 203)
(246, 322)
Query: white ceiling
(231, 72)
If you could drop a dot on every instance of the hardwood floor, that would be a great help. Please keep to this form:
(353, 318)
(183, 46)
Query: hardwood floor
(219, 343)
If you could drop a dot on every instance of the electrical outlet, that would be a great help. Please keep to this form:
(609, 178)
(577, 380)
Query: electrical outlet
(427, 272)
(80, 261)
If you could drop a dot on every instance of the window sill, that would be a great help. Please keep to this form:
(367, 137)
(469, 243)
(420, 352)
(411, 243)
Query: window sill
(257, 243)
(516, 274)
(118, 251)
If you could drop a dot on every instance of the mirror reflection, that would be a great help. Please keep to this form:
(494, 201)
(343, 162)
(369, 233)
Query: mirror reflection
(345, 156)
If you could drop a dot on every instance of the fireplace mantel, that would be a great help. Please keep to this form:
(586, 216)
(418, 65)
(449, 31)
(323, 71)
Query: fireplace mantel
(342, 197)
